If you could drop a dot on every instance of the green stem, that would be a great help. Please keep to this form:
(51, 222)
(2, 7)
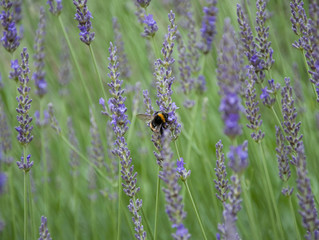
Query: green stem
(196, 212)
(119, 202)
(25, 188)
(294, 218)
(32, 224)
(93, 224)
(276, 116)
(156, 203)
(75, 220)
(270, 190)
(131, 128)
(97, 70)
(75, 61)
(178, 155)
(85, 159)
(249, 209)
(147, 224)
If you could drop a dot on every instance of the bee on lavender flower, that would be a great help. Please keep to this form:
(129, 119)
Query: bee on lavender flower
(157, 122)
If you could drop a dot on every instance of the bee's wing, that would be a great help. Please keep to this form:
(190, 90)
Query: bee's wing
(144, 117)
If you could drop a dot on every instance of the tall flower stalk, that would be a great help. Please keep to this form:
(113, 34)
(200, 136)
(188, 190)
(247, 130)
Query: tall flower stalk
(117, 111)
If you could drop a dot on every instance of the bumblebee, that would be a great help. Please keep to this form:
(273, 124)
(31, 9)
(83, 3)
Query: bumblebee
(157, 122)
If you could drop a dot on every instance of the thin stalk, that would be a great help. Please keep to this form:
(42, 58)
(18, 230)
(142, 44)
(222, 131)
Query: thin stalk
(75, 220)
(13, 209)
(85, 159)
(32, 224)
(93, 224)
(147, 224)
(196, 211)
(97, 70)
(75, 61)
(45, 165)
(128, 222)
(178, 155)
(272, 197)
(119, 202)
(294, 218)
(25, 188)
(158, 184)
(249, 209)
(131, 128)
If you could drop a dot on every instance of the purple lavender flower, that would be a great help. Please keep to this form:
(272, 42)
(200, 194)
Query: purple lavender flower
(144, 3)
(238, 157)
(43, 230)
(24, 103)
(83, 15)
(53, 121)
(183, 172)
(17, 9)
(291, 127)
(150, 27)
(283, 153)
(228, 229)
(221, 183)
(307, 205)
(16, 70)
(252, 108)
(25, 164)
(3, 180)
(74, 157)
(208, 28)
(55, 7)
(164, 78)
(169, 175)
(228, 75)
(119, 125)
(39, 73)
(298, 18)
(10, 39)
(148, 103)
(125, 70)
(268, 96)
(262, 42)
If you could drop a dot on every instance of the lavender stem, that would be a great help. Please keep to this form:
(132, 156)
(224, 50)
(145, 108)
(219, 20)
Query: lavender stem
(294, 217)
(158, 186)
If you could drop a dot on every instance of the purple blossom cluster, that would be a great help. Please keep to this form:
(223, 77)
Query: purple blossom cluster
(16, 70)
(43, 230)
(182, 171)
(150, 26)
(119, 123)
(208, 29)
(238, 157)
(252, 109)
(306, 199)
(169, 175)
(221, 183)
(39, 73)
(25, 164)
(268, 96)
(83, 15)
(143, 3)
(10, 39)
(229, 67)
(289, 112)
(17, 11)
(24, 102)
(55, 7)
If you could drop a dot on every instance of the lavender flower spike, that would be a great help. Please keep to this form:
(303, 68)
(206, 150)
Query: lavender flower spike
(25, 164)
(305, 195)
(221, 183)
(83, 15)
(208, 29)
(164, 78)
(119, 125)
(43, 230)
(39, 73)
(169, 175)
(150, 27)
(55, 7)
(10, 39)
(24, 103)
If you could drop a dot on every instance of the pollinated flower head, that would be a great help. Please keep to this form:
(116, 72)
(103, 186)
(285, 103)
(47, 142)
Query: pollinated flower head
(221, 183)
(174, 206)
(230, 66)
(150, 26)
(83, 15)
(55, 7)
(43, 230)
(208, 29)
(39, 73)
(10, 39)
(238, 157)
(24, 103)
(268, 95)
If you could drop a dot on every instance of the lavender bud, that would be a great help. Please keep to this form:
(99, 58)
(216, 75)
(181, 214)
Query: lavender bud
(150, 27)
(55, 7)
(83, 15)
(183, 172)
(221, 183)
(269, 95)
(16, 70)
(25, 164)
(11, 39)
(43, 230)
